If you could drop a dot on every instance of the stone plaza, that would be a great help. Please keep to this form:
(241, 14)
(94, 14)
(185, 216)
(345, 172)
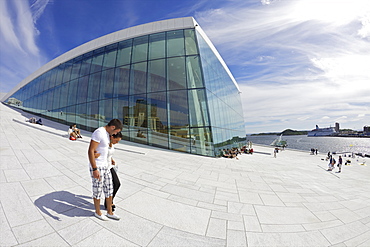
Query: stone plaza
(169, 198)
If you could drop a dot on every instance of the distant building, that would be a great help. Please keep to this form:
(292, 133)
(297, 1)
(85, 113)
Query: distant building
(367, 130)
(164, 80)
(337, 127)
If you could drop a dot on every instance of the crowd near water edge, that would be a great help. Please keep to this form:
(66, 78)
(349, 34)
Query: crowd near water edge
(323, 144)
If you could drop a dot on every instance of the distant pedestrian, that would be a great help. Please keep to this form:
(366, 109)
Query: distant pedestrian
(340, 161)
(276, 150)
(316, 151)
(330, 163)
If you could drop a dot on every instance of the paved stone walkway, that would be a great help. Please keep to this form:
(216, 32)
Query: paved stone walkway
(174, 199)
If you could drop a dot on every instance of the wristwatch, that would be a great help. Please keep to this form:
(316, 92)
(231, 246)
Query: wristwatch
(94, 169)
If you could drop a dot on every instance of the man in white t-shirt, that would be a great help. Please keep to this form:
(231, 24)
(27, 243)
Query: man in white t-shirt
(101, 176)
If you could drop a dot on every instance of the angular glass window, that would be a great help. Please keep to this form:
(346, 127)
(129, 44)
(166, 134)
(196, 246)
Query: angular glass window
(64, 91)
(75, 70)
(71, 115)
(194, 72)
(107, 80)
(175, 43)
(122, 81)
(83, 84)
(85, 66)
(157, 112)
(56, 98)
(49, 102)
(190, 42)
(44, 83)
(110, 56)
(140, 49)
(179, 139)
(138, 116)
(138, 78)
(97, 60)
(93, 116)
(81, 117)
(176, 73)
(201, 141)
(72, 92)
(67, 72)
(124, 52)
(157, 75)
(120, 109)
(178, 109)
(158, 138)
(59, 77)
(198, 108)
(46, 80)
(157, 45)
(105, 111)
(94, 87)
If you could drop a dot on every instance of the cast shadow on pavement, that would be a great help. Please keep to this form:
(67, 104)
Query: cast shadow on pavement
(65, 203)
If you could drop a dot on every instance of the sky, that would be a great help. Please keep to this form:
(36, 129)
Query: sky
(298, 63)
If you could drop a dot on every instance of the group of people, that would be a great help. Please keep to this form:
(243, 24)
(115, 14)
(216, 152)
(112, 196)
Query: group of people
(34, 120)
(234, 152)
(314, 151)
(230, 153)
(74, 132)
(103, 167)
(247, 150)
(332, 162)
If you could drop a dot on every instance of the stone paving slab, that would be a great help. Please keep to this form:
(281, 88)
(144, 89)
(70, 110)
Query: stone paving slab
(174, 199)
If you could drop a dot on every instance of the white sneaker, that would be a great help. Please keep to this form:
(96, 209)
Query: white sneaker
(113, 216)
(101, 217)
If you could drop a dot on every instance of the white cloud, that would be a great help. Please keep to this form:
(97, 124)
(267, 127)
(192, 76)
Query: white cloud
(37, 8)
(364, 32)
(7, 29)
(298, 63)
(20, 54)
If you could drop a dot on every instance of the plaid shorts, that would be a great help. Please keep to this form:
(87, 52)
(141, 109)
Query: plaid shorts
(105, 183)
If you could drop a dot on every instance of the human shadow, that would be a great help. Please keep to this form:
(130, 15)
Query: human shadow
(65, 203)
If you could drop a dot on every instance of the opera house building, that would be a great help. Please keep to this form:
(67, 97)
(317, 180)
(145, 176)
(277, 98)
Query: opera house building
(164, 80)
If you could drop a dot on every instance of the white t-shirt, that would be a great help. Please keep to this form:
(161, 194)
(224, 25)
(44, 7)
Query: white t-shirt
(101, 136)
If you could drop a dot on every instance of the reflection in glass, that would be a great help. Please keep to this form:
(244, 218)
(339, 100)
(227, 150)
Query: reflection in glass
(138, 78)
(193, 72)
(107, 84)
(157, 75)
(198, 114)
(140, 49)
(169, 89)
(94, 87)
(157, 112)
(190, 42)
(110, 56)
(178, 109)
(121, 84)
(124, 52)
(176, 73)
(175, 43)
(83, 84)
(157, 44)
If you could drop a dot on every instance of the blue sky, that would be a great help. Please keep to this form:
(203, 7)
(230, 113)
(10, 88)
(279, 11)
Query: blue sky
(298, 62)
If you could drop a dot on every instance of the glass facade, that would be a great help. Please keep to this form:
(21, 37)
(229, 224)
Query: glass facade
(169, 89)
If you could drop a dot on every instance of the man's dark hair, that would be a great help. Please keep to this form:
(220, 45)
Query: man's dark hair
(116, 123)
